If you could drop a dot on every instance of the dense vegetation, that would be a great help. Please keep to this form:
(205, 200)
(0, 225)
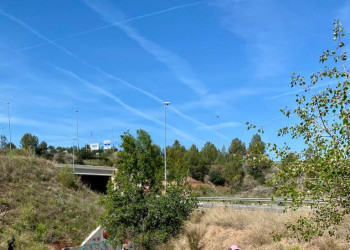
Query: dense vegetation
(239, 168)
(136, 205)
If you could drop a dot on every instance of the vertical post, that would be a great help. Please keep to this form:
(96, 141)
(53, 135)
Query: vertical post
(73, 150)
(113, 138)
(77, 112)
(8, 111)
(217, 132)
(165, 175)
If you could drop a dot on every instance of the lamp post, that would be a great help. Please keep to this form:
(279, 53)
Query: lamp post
(217, 131)
(165, 104)
(74, 138)
(77, 112)
(8, 111)
(113, 138)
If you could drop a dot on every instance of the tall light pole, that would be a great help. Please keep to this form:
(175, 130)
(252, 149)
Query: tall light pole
(113, 138)
(165, 104)
(217, 131)
(77, 112)
(74, 138)
(8, 111)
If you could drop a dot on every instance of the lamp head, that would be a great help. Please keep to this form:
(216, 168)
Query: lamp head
(166, 103)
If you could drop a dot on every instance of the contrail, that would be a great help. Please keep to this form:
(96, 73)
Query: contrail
(124, 105)
(180, 68)
(106, 74)
(301, 90)
(115, 24)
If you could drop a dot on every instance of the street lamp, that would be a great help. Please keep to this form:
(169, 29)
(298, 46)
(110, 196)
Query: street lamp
(113, 138)
(8, 111)
(217, 131)
(165, 104)
(74, 138)
(77, 112)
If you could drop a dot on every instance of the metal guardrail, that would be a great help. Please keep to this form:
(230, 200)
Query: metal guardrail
(259, 200)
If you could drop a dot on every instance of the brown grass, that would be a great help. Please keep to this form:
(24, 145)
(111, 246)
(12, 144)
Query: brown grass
(219, 228)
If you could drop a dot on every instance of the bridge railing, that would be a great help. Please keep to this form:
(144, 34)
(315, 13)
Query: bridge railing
(258, 200)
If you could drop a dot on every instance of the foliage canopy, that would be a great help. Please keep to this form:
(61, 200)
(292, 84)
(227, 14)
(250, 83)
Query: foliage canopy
(321, 171)
(135, 206)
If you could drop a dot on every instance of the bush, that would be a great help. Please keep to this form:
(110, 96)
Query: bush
(67, 177)
(216, 177)
(198, 172)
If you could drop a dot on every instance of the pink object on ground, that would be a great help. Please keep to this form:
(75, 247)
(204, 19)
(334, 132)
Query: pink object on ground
(234, 247)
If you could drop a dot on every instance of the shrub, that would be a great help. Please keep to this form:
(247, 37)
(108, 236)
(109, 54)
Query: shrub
(67, 177)
(216, 177)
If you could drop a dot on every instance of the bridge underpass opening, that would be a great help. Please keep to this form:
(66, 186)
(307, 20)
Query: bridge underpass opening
(96, 183)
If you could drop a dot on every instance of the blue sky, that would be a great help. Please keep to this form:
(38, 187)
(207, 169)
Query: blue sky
(116, 62)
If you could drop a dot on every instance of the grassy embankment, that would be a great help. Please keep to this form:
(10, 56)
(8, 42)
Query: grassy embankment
(219, 228)
(38, 210)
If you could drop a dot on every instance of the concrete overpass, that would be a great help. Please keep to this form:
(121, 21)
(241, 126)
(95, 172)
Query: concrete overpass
(95, 177)
(90, 170)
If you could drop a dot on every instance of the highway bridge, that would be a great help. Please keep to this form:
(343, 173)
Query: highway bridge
(95, 177)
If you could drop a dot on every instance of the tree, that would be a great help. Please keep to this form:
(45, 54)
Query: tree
(29, 142)
(256, 146)
(209, 153)
(237, 148)
(325, 128)
(176, 161)
(135, 207)
(42, 148)
(13, 146)
(3, 141)
(216, 177)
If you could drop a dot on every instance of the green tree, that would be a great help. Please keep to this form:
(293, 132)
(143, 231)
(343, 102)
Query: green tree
(176, 161)
(43, 151)
(233, 171)
(42, 148)
(216, 177)
(256, 146)
(209, 153)
(13, 146)
(3, 141)
(195, 164)
(237, 148)
(29, 142)
(135, 207)
(323, 126)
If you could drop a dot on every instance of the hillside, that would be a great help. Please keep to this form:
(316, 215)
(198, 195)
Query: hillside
(38, 210)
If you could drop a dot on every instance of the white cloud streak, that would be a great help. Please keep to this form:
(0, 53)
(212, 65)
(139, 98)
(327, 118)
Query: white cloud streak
(128, 20)
(137, 112)
(177, 65)
(104, 73)
(302, 90)
(221, 126)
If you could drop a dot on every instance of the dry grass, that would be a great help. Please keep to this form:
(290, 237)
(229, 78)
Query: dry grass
(38, 210)
(219, 228)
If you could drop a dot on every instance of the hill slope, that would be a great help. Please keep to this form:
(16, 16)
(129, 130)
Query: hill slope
(38, 210)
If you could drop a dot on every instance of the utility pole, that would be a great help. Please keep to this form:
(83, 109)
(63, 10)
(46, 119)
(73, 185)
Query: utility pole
(77, 112)
(8, 111)
(165, 175)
